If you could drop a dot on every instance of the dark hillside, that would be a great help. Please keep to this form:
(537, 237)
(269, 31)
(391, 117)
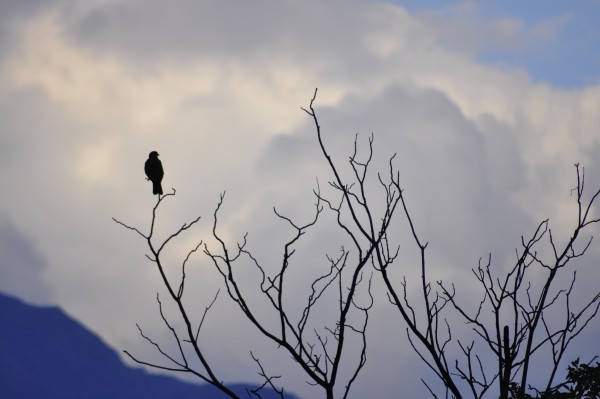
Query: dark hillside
(46, 354)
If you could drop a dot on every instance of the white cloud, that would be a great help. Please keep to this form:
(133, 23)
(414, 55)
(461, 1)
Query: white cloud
(87, 91)
(22, 267)
(467, 26)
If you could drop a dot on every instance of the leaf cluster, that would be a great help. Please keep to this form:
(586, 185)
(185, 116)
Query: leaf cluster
(582, 382)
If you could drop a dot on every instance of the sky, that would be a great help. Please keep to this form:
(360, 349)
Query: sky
(487, 105)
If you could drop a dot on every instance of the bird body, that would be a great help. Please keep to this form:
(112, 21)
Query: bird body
(154, 171)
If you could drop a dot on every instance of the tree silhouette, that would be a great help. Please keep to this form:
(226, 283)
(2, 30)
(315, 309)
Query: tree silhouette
(519, 301)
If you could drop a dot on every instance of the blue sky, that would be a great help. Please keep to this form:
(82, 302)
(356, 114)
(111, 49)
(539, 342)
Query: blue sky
(569, 57)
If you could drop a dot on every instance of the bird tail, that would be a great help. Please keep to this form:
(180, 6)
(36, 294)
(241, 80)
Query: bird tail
(157, 188)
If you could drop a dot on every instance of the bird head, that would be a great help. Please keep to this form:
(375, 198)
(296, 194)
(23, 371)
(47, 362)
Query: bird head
(153, 154)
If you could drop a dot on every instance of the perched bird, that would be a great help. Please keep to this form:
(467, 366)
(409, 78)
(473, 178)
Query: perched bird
(154, 171)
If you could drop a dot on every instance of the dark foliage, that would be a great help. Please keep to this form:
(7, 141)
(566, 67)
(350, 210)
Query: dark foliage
(583, 382)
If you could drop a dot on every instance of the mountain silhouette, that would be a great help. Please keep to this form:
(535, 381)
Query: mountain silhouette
(46, 354)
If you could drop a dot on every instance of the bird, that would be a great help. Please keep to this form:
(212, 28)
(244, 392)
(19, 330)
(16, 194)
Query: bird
(154, 171)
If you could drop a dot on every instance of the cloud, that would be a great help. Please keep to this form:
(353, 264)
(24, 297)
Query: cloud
(22, 267)
(471, 27)
(14, 14)
(188, 29)
(88, 89)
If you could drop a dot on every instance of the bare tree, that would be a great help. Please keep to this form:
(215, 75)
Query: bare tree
(317, 349)
(522, 302)
(520, 328)
(178, 362)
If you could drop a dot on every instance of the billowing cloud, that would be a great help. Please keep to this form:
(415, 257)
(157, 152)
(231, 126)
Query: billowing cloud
(467, 26)
(88, 89)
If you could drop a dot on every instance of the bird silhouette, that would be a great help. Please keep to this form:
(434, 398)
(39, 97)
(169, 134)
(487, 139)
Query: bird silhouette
(154, 171)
